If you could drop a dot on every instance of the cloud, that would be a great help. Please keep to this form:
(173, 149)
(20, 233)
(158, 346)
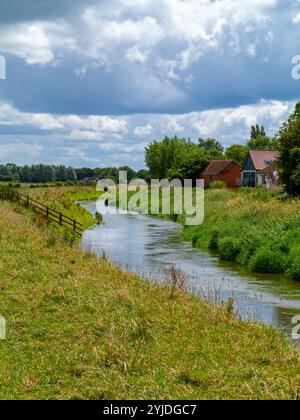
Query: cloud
(85, 77)
(105, 141)
(167, 56)
(143, 131)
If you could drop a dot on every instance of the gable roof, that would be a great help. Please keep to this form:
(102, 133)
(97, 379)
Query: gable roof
(216, 167)
(263, 158)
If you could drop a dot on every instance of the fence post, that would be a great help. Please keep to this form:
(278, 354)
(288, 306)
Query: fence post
(60, 219)
(74, 228)
(47, 213)
(28, 201)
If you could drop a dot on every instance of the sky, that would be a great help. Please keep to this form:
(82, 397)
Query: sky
(92, 82)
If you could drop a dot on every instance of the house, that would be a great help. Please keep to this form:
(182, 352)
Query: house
(227, 171)
(260, 169)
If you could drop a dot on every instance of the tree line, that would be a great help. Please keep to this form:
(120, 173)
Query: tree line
(50, 173)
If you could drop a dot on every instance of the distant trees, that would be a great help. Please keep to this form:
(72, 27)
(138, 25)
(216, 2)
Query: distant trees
(289, 147)
(46, 173)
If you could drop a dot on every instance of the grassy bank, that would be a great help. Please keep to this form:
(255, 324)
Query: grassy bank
(78, 327)
(65, 200)
(252, 227)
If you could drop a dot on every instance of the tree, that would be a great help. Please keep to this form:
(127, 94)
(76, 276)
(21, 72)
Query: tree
(131, 174)
(263, 143)
(213, 148)
(238, 153)
(260, 141)
(176, 158)
(82, 173)
(143, 174)
(289, 148)
(257, 131)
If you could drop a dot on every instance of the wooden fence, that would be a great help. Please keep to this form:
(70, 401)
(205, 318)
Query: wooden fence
(50, 214)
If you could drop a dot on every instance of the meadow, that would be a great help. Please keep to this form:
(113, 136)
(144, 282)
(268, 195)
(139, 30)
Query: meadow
(80, 328)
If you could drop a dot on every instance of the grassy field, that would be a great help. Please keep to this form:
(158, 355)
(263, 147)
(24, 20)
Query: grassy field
(255, 228)
(79, 328)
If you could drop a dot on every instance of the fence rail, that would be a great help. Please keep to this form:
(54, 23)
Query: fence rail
(50, 214)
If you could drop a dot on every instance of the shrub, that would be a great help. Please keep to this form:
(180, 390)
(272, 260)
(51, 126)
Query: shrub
(215, 236)
(294, 271)
(217, 185)
(267, 260)
(229, 248)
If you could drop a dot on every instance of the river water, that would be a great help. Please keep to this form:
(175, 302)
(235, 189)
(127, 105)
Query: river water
(148, 246)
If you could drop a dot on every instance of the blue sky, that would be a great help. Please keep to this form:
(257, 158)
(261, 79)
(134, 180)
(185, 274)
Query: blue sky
(92, 82)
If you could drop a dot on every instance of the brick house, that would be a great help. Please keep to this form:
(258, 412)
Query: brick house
(227, 171)
(260, 169)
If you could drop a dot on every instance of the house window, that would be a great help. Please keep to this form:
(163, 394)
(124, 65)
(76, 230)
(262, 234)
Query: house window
(268, 162)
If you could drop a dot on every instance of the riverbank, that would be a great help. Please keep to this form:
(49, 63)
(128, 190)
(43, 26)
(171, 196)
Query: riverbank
(254, 228)
(79, 327)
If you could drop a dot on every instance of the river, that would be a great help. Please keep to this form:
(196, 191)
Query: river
(148, 246)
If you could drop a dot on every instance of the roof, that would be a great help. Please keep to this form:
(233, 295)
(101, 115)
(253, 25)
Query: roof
(216, 167)
(269, 169)
(263, 158)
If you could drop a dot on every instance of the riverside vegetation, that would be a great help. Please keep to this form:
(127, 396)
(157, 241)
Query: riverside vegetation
(80, 328)
(255, 228)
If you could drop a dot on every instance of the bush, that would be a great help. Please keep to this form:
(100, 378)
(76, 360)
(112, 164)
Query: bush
(215, 236)
(217, 185)
(266, 260)
(294, 271)
(229, 248)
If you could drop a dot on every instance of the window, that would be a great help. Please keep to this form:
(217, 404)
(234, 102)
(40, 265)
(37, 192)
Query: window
(268, 162)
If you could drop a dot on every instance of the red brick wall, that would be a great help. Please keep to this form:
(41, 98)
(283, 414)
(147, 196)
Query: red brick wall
(229, 177)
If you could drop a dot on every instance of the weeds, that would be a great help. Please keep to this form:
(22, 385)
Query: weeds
(176, 280)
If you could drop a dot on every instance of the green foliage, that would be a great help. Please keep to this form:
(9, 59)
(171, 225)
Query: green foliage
(212, 148)
(175, 158)
(229, 248)
(294, 270)
(260, 141)
(238, 153)
(251, 227)
(257, 131)
(217, 185)
(267, 260)
(289, 160)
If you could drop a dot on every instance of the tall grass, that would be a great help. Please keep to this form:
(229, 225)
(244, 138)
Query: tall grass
(80, 328)
(255, 228)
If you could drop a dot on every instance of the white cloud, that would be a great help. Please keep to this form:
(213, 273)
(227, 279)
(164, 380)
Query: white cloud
(297, 18)
(74, 126)
(143, 131)
(105, 140)
(36, 42)
(111, 32)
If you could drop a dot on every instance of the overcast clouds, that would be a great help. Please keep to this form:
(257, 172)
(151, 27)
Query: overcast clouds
(92, 82)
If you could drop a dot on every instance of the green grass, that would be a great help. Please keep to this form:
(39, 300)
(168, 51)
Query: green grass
(80, 328)
(65, 200)
(254, 228)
